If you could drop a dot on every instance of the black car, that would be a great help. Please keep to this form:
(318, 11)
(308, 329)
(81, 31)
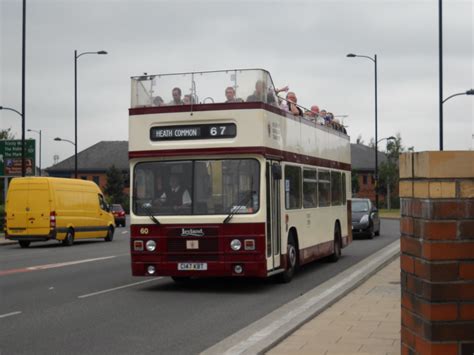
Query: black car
(119, 214)
(365, 218)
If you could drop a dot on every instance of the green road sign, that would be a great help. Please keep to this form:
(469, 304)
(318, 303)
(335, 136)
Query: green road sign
(10, 157)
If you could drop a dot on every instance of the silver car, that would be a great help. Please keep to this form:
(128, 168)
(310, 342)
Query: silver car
(365, 218)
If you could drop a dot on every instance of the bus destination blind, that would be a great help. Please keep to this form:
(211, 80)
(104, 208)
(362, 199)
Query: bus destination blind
(202, 131)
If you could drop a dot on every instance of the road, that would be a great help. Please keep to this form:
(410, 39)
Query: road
(83, 299)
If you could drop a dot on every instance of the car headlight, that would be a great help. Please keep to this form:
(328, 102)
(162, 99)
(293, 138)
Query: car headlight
(151, 245)
(235, 244)
(364, 219)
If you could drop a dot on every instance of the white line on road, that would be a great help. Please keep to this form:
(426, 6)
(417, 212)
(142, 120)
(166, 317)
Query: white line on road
(52, 266)
(124, 232)
(118, 288)
(9, 314)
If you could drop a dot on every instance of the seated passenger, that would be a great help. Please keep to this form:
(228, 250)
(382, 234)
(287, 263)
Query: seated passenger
(160, 192)
(158, 101)
(176, 92)
(187, 100)
(230, 95)
(290, 104)
(260, 95)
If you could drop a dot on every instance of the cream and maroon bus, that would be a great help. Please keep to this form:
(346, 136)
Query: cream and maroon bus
(226, 183)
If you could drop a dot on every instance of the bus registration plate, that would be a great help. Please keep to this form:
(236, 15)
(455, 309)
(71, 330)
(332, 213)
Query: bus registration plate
(192, 266)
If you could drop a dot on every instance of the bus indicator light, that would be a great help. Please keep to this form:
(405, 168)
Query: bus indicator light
(138, 245)
(249, 244)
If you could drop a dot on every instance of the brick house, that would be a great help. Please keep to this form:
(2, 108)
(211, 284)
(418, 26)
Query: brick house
(94, 162)
(363, 166)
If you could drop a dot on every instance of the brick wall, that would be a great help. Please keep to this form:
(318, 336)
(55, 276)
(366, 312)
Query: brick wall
(437, 252)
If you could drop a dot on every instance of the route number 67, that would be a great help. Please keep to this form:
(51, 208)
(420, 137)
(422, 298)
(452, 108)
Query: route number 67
(217, 131)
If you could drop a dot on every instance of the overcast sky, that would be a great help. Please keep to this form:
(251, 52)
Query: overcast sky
(302, 44)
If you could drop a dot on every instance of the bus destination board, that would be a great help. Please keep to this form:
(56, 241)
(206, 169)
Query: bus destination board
(202, 131)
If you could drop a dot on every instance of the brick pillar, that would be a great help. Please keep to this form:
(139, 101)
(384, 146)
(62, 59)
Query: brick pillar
(437, 252)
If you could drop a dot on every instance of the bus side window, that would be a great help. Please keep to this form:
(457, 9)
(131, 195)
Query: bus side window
(292, 187)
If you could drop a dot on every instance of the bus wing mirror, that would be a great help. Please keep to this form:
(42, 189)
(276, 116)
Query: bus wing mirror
(276, 172)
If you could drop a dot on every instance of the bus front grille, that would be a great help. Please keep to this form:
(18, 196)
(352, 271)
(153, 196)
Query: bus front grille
(192, 257)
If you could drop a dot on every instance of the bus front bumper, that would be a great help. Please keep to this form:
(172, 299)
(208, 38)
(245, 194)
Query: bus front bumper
(212, 269)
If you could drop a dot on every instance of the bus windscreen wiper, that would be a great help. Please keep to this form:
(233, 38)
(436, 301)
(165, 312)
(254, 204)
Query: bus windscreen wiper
(233, 211)
(147, 208)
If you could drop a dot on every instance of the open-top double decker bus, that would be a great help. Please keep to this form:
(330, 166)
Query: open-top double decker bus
(231, 186)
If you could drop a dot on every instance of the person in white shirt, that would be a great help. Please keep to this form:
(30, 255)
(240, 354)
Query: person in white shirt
(177, 196)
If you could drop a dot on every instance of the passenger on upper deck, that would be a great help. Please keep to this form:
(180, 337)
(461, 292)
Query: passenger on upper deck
(313, 113)
(290, 104)
(176, 92)
(260, 95)
(230, 95)
(187, 100)
(158, 101)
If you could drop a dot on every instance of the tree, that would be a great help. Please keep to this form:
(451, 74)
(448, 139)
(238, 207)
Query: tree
(6, 134)
(388, 171)
(115, 185)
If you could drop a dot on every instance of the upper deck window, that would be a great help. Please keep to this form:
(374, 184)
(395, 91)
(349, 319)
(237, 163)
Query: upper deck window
(253, 85)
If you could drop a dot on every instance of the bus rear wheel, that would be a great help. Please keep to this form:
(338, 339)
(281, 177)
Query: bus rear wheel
(292, 261)
(24, 243)
(337, 245)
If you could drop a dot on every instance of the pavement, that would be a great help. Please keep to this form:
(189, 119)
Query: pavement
(365, 321)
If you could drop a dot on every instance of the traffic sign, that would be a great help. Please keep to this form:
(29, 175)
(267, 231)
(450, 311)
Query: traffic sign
(10, 157)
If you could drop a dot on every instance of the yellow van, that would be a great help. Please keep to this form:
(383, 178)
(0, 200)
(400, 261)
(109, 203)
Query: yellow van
(44, 208)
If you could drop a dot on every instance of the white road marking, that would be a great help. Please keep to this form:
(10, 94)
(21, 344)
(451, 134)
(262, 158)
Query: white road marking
(9, 314)
(118, 288)
(124, 232)
(52, 266)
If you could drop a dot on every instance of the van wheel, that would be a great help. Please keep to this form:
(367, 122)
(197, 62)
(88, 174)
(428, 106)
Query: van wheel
(110, 235)
(69, 239)
(24, 243)
(292, 261)
(337, 245)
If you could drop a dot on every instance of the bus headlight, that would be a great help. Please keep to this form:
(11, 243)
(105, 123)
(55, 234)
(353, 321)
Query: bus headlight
(151, 245)
(235, 244)
(150, 269)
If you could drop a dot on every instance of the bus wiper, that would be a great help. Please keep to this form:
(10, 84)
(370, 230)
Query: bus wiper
(233, 211)
(147, 207)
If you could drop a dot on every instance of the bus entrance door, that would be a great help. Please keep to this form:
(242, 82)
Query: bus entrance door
(273, 223)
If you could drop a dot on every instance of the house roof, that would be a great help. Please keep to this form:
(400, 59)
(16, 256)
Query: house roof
(104, 154)
(98, 157)
(363, 157)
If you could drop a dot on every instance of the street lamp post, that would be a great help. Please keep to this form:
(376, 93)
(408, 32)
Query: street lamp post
(57, 139)
(374, 60)
(39, 132)
(468, 92)
(76, 56)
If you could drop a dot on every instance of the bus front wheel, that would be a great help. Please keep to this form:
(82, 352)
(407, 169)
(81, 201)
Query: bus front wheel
(292, 261)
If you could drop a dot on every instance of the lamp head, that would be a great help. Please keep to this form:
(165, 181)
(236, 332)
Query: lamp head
(351, 55)
(468, 92)
(1, 107)
(101, 52)
(57, 139)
